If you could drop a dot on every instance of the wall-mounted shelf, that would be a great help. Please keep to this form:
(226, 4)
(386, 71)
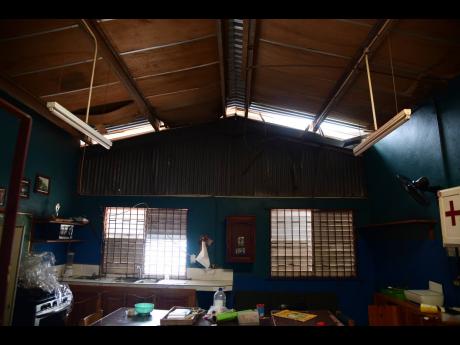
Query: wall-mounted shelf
(430, 223)
(57, 221)
(49, 229)
(57, 241)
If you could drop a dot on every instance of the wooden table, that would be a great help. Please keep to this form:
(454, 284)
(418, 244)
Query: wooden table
(120, 318)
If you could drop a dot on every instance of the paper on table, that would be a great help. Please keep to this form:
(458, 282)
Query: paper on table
(203, 257)
(179, 314)
(295, 315)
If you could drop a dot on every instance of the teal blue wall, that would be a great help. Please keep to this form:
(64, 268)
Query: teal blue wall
(427, 145)
(52, 152)
(207, 216)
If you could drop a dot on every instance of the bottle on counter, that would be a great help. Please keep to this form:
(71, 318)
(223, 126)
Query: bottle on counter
(219, 300)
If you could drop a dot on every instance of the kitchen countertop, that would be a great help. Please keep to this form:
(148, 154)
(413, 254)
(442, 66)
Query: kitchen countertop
(198, 285)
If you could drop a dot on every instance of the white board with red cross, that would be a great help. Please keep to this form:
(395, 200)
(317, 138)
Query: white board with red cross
(449, 212)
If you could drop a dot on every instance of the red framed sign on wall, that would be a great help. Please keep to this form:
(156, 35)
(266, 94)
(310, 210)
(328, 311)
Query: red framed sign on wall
(241, 239)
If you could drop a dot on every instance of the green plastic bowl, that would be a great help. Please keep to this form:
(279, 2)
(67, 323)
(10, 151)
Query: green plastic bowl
(144, 308)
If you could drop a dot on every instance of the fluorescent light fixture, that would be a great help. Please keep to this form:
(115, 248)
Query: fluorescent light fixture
(383, 131)
(78, 124)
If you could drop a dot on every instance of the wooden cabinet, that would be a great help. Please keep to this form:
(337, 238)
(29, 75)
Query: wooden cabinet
(141, 297)
(89, 299)
(84, 305)
(388, 310)
(241, 239)
(384, 315)
(112, 300)
(168, 298)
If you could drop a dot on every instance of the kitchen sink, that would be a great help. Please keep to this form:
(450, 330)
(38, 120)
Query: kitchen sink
(127, 279)
(146, 281)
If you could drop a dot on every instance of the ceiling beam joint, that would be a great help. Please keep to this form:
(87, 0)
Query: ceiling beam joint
(369, 46)
(249, 48)
(110, 55)
(220, 47)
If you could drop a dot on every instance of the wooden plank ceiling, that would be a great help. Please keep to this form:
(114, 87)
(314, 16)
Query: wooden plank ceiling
(176, 65)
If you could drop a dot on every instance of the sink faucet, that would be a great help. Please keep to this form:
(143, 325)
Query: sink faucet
(139, 271)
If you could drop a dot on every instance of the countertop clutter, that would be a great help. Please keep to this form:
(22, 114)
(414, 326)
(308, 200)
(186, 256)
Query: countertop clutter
(197, 279)
(198, 285)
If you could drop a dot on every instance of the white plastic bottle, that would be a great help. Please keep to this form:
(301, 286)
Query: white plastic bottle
(219, 300)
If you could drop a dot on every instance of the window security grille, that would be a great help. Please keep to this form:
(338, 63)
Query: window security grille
(151, 241)
(312, 243)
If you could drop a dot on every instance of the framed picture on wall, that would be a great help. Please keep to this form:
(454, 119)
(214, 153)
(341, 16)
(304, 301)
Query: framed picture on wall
(241, 232)
(24, 189)
(42, 184)
(2, 197)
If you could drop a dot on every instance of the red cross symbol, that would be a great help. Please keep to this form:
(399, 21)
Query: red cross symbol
(452, 213)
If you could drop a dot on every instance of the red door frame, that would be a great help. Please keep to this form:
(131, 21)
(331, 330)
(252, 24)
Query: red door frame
(12, 204)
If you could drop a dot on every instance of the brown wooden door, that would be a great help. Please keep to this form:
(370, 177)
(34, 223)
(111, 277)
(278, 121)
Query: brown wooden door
(112, 301)
(384, 315)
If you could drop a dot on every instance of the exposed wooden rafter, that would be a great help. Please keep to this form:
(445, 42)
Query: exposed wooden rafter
(248, 60)
(33, 103)
(220, 47)
(304, 49)
(120, 69)
(368, 47)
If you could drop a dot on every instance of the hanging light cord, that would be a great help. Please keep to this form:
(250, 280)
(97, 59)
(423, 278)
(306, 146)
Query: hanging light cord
(89, 101)
(94, 67)
(393, 75)
(370, 92)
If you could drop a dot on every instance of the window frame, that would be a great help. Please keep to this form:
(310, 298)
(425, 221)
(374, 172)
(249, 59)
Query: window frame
(103, 263)
(319, 278)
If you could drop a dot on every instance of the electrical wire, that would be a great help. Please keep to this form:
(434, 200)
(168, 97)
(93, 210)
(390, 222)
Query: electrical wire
(393, 75)
(370, 91)
(89, 99)
(94, 67)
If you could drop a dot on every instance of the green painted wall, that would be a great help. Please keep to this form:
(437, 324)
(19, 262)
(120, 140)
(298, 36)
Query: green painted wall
(427, 145)
(52, 152)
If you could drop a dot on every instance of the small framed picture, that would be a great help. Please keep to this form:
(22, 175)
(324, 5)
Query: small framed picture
(24, 189)
(42, 184)
(2, 196)
(65, 231)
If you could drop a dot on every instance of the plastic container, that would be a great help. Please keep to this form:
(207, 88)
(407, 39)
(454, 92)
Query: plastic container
(261, 309)
(227, 316)
(144, 308)
(220, 299)
(394, 292)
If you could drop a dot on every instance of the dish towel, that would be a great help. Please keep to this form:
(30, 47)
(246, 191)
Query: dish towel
(203, 257)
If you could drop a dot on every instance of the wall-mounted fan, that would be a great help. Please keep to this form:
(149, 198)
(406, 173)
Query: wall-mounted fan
(417, 188)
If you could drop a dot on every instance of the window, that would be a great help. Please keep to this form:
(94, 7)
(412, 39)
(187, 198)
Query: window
(150, 240)
(312, 243)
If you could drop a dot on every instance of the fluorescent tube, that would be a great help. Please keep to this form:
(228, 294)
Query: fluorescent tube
(78, 124)
(383, 131)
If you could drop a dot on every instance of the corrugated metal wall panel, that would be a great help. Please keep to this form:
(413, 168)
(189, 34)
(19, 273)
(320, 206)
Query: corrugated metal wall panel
(221, 162)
